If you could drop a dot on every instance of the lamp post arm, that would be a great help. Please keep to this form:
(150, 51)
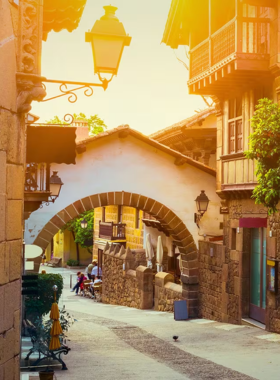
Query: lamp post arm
(72, 98)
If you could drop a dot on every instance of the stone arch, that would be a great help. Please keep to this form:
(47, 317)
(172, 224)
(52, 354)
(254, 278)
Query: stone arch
(172, 223)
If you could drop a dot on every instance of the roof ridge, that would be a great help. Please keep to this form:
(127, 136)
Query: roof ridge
(185, 122)
(150, 141)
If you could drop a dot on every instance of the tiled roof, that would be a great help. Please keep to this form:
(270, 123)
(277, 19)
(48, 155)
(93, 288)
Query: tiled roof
(176, 28)
(62, 14)
(186, 123)
(125, 129)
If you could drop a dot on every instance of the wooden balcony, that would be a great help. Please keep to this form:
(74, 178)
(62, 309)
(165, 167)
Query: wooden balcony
(234, 55)
(111, 231)
(238, 174)
(36, 187)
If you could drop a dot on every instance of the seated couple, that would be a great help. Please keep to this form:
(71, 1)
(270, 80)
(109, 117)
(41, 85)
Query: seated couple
(93, 270)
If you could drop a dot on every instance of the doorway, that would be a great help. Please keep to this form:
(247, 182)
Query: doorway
(258, 275)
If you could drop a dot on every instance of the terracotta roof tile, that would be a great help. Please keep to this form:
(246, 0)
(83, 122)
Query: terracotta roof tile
(62, 14)
(186, 123)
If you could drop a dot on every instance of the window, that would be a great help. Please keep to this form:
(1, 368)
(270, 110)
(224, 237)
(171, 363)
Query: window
(137, 219)
(235, 125)
(119, 214)
(103, 214)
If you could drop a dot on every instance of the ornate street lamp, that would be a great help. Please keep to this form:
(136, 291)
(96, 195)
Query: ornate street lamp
(108, 39)
(84, 223)
(55, 186)
(202, 202)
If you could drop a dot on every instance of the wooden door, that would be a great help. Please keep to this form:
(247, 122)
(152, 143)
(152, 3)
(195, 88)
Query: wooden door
(258, 274)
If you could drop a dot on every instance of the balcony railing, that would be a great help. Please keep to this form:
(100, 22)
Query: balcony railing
(111, 231)
(243, 37)
(37, 177)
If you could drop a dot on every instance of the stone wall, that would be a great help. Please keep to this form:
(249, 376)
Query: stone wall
(12, 157)
(211, 259)
(273, 300)
(166, 292)
(122, 283)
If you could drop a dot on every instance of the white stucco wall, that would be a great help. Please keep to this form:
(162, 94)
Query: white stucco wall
(115, 164)
(154, 233)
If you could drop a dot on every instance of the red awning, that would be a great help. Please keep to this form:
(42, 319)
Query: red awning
(253, 222)
(51, 145)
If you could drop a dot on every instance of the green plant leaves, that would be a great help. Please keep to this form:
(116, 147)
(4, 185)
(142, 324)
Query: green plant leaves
(265, 149)
(82, 235)
(38, 306)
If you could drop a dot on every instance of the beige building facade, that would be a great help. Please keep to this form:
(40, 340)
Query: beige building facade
(234, 58)
(22, 29)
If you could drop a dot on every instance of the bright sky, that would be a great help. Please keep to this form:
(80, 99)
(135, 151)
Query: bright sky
(150, 92)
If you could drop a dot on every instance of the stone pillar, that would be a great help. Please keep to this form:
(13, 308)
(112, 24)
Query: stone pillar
(189, 278)
(12, 157)
(144, 278)
(161, 279)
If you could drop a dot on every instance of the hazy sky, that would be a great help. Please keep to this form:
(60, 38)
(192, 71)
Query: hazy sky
(150, 91)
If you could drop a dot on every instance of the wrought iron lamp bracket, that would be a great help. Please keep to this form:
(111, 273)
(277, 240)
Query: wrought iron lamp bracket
(47, 203)
(70, 92)
(197, 218)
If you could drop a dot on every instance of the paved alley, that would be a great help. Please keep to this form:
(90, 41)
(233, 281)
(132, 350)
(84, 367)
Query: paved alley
(115, 342)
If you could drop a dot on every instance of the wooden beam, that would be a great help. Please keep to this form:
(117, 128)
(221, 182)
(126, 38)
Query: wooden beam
(179, 161)
(262, 3)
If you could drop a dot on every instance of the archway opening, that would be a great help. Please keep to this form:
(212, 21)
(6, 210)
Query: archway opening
(167, 219)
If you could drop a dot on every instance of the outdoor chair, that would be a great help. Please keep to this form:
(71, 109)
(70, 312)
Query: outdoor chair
(54, 262)
(87, 292)
(98, 292)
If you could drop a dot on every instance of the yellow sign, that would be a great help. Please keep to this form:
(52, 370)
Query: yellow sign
(270, 263)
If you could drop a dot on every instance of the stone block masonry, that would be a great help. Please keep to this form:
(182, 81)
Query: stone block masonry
(123, 284)
(212, 280)
(12, 158)
(166, 292)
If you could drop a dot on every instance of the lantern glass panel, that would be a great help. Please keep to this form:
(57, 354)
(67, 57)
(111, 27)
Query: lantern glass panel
(203, 205)
(107, 54)
(84, 223)
(55, 189)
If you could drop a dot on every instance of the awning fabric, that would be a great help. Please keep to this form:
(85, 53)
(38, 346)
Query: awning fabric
(51, 145)
(62, 14)
(253, 222)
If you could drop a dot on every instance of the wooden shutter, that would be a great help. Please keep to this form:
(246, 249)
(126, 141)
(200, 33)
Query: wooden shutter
(239, 128)
(232, 137)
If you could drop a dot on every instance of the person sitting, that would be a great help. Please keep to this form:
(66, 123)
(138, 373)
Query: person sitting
(77, 284)
(89, 269)
(82, 278)
(97, 280)
(94, 282)
(96, 271)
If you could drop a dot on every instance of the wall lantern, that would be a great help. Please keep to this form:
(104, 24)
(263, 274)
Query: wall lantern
(202, 202)
(84, 224)
(55, 186)
(108, 39)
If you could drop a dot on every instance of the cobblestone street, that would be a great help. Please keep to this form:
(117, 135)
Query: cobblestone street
(115, 342)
